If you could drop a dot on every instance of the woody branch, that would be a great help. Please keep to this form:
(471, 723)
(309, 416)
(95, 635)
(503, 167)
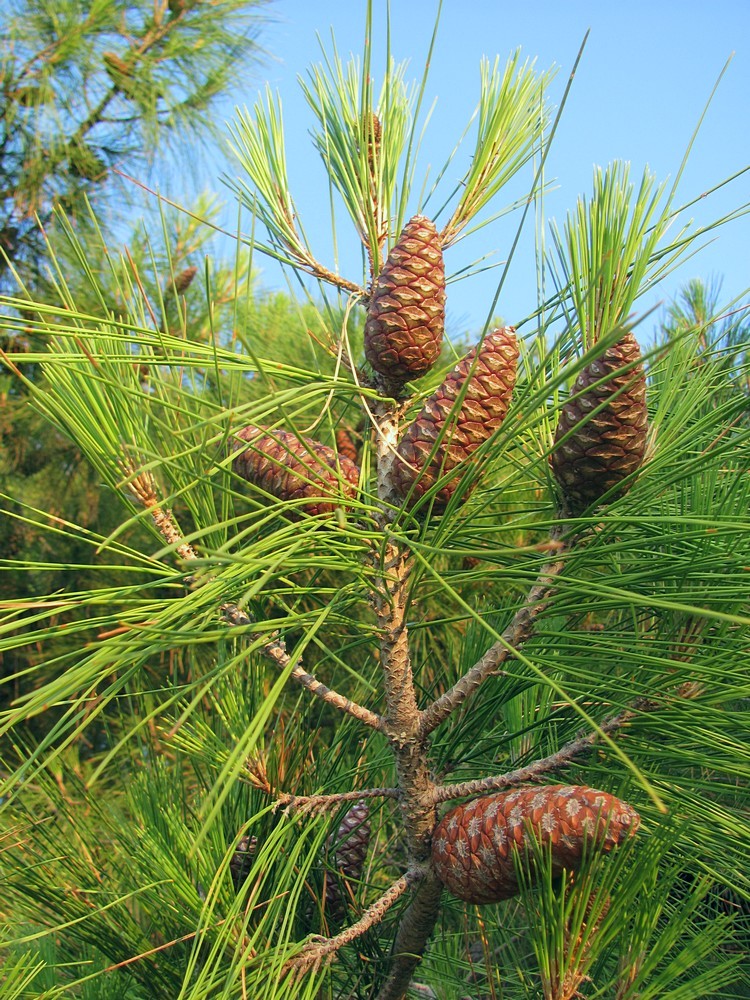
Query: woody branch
(143, 488)
(513, 638)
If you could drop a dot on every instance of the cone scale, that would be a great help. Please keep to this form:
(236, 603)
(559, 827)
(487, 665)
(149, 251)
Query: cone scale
(473, 844)
(348, 444)
(484, 381)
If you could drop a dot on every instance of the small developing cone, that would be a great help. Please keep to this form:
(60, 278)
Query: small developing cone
(406, 317)
(242, 860)
(121, 73)
(472, 844)
(115, 65)
(291, 468)
(349, 849)
(491, 374)
(348, 443)
(182, 281)
(600, 453)
(373, 131)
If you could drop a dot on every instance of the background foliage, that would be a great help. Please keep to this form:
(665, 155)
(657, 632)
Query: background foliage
(143, 735)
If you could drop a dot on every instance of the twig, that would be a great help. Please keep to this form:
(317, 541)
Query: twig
(323, 803)
(514, 636)
(556, 760)
(320, 949)
(143, 487)
(275, 650)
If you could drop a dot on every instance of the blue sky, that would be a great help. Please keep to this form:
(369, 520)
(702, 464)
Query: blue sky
(646, 74)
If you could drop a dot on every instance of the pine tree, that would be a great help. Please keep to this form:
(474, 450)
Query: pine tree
(541, 703)
(88, 90)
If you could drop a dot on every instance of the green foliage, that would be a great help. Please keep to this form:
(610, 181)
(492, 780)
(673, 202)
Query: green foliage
(162, 734)
(89, 87)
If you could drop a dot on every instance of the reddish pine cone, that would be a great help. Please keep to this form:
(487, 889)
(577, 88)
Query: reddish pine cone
(348, 443)
(349, 847)
(406, 318)
(485, 401)
(472, 844)
(291, 468)
(600, 453)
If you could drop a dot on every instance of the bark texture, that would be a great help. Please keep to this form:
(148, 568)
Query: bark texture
(402, 723)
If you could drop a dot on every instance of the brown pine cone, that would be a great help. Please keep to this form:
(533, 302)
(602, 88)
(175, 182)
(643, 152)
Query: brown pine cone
(182, 281)
(291, 468)
(491, 377)
(349, 847)
(600, 453)
(348, 443)
(472, 844)
(242, 860)
(406, 317)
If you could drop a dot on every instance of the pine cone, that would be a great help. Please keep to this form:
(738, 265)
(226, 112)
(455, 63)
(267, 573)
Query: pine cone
(242, 860)
(348, 443)
(291, 468)
(406, 318)
(349, 848)
(182, 281)
(472, 844)
(485, 401)
(600, 453)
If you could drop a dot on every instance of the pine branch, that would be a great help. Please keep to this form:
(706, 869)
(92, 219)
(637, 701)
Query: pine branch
(275, 650)
(152, 38)
(144, 489)
(515, 635)
(320, 949)
(561, 758)
(402, 718)
(304, 804)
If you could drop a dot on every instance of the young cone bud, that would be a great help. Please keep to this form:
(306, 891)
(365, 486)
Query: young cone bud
(608, 447)
(406, 318)
(491, 374)
(473, 844)
(291, 468)
(116, 65)
(242, 860)
(374, 132)
(182, 281)
(349, 847)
